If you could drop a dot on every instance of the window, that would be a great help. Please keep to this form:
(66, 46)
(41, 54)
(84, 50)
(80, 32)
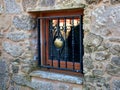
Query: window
(60, 40)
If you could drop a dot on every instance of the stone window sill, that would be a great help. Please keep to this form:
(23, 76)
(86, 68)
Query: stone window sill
(57, 77)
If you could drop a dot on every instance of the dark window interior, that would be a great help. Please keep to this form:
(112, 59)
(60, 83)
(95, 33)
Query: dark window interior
(64, 39)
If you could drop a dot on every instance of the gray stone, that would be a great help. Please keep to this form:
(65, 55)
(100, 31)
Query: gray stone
(69, 4)
(107, 45)
(24, 22)
(26, 68)
(101, 48)
(47, 2)
(3, 75)
(28, 4)
(17, 36)
(101, 55)
(115, 1)
(41, 85)
(116, 61)
(106, 24)
(113, 70)
(98, 72)
(115, 49)
(14, 87)
(89, 87)
(13, 49)
(93, 40)
(12, 6)
(88, 49)
(88, 62)
(17, 60)
(105, 1)
(114, 39)
(92, 1)
(1, 35)
(21, 79)
(116, 85)
(63, 87)
(15, 68)
(106, 86)
(99, 79)
(99, 65)
(2, 67)
(95, 79)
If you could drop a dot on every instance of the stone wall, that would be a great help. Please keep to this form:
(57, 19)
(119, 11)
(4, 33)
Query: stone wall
(102, 45)
(18, 44)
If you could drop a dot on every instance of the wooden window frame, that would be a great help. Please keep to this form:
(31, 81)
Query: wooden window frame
(43, 14)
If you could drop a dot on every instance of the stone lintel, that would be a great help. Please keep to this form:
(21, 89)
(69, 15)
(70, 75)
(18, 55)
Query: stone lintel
(41, 9)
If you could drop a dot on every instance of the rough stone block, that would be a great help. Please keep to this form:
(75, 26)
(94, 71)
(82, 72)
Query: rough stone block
(113, 70)
(98, 72)
(93, 40)
(24, 22)
(115, 1)
(12, 6)
(20, 79)
(88, 63)
(15, 68)
(114, 39)
(116, 61)
(17, 36)
(25, 68)
(3, 76)
(106, 24)
(116, 85)
(115, 49)
(28, 4)
(12, 49)
(92, 1)
(47, 2)
(63, 87)
(100, 56)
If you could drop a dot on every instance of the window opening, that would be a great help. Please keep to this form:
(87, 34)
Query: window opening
(60, 42)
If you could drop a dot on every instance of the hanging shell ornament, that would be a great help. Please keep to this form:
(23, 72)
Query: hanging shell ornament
(58, 43)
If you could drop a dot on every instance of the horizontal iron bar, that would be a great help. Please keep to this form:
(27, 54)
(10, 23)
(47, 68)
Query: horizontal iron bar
(51, 67)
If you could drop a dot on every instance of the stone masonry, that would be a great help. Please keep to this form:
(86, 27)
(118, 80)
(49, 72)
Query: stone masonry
(18, 45)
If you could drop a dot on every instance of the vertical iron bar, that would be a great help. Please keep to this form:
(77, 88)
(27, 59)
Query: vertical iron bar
(58, 30)
(65, 43)
(73, 43)
(39, 42)
(81, 43)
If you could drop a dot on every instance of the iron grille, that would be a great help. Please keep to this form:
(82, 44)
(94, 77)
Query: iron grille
(60, 42)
